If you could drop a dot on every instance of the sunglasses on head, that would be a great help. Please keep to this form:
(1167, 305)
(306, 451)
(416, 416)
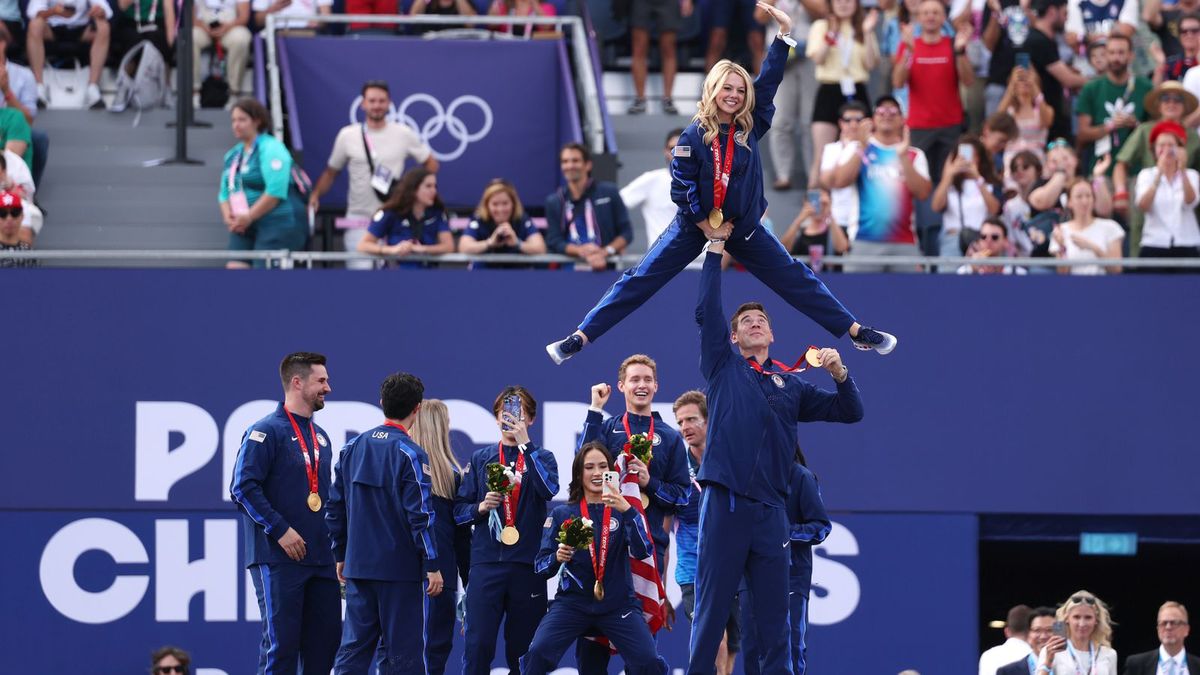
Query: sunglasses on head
(1057, 143)
(14, 212)
(1082, 599)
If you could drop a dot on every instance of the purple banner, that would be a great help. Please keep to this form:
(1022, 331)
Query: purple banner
(487, 108)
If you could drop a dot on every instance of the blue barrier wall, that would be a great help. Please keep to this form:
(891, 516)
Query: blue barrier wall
(127, 393)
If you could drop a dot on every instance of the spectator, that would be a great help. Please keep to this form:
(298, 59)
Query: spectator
(1062, 165)
(378, 8)
(170, 661)
(965, 196)
(1111, 106)
(290, 8)
(815, 229)
(501, 225)
(375, 152)
(853, 119)
(793, 98)
(722, 14)
(1096, 63)
(412, 220)
(1016, 636)
(894, 34)
(10, 17)
(18, 89)
(890, 175)
(1100, 19)
(586, 219)
(844, 49)
(1168, 194)
(1089, 637)
(521, 8)
(1006, 26)
(441, 8)
(11, 215)
(1170, 657)
(651, 192)
(1168, 101)
(1024, 102)
(145, 20)
(15, 178)
(993, 242)
(1044, 642)
(15, 134)
(1187, 46)
(999, 133)
(223, 22)
(1018, 214)
(255, 195)
(79, 21)
(665, 16)
(1086, 237)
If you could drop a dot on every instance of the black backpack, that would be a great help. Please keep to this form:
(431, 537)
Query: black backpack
(214, 90)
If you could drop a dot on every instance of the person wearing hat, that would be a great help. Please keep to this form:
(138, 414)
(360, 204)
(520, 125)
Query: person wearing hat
(1167, 195)
(1168, 101)
(10, 228)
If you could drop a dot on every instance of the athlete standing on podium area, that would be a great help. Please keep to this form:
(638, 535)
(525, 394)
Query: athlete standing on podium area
(716, 180)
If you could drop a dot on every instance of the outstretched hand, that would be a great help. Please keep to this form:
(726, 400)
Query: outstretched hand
(781, 17)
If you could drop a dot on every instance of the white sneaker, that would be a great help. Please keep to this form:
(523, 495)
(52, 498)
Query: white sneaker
(43, 96)
(92, 98)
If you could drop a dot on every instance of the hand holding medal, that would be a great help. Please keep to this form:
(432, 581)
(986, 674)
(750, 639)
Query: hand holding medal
(507, 482)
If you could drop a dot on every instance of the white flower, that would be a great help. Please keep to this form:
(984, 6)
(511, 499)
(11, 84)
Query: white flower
(587, 522)
(513, 477)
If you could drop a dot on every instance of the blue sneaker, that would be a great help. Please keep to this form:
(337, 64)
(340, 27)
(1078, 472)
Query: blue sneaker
(565, 349)
(869, 338)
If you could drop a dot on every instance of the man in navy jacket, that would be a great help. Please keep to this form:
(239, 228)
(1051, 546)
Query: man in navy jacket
(586, 219)
(381, 522)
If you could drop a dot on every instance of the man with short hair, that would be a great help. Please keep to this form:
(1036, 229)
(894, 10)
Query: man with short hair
(1171, 657)
(1044, 645)
(664, 483)
(586, 219)
(992, 243)
(1016, 642)
(747, 467)
(1110, 107)
(382, 493)
(281, 487)
(375, 151)
(651, 192)
(85, 21)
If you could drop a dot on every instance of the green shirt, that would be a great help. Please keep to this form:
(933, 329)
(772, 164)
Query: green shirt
(146, 11)
(14, 127)
(267, 169)
(1101, 99)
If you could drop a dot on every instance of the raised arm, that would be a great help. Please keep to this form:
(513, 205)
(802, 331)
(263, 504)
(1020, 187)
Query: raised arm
(714, 333)
(686, 164)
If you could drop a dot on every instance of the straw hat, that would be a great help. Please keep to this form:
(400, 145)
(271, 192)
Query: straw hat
(1170, 86)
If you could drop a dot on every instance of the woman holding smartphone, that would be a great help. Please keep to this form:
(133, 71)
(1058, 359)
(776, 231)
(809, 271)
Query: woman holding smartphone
(965, 196)
(595, 590)
(1089, 637)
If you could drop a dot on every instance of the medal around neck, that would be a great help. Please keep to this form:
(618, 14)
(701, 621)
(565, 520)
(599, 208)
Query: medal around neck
(509, 536)
(314, 502)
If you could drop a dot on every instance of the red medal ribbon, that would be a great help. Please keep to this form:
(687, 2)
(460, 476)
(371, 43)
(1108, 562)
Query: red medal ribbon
(512, 498)
(798, 367)
(721, 173)
(628, 435)
(310, 465)
(389, 423)
(599, 563)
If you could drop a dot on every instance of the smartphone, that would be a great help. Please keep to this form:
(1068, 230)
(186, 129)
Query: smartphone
(512, 406)
(1060, 629)
(966, 151)
(1023, 60)
(814, 198)
(611, 478)
(870, 4)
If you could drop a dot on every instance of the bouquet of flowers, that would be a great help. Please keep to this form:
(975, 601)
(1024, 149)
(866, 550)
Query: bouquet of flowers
(576, 532)
(641, 447)
(501, 479)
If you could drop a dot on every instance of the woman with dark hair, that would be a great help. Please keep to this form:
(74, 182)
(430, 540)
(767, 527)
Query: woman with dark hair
(595, 592)
(169, 661)
(965, 195)
(255, 195)
(412, 220)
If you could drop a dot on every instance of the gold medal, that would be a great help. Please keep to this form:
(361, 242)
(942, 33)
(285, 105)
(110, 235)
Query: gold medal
(598, 591)
(314, 502)
(716, 219)
(813, 356)
(509, 535)
(645, 501)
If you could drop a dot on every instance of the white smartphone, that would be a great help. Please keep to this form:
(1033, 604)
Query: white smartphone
(966, 151)
(611, 478)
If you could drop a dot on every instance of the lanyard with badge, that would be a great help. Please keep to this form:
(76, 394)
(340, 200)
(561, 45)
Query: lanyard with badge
(1091, 655)
(589, 220)
(150, 26)
(845, 46)
(381, 176)
(239, 204)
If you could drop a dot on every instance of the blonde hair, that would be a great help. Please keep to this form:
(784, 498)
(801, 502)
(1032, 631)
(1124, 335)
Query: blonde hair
(431, 431)
(706, 109)
(1171, 604)
(637, 360)
(1102, 635)
(494, 188)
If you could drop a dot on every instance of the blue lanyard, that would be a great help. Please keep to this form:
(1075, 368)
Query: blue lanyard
(1091, 653)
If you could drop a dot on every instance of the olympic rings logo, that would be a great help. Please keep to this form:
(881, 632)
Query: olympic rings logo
(440, 120)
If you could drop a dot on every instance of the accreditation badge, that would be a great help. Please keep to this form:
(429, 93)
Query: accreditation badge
(239, 205)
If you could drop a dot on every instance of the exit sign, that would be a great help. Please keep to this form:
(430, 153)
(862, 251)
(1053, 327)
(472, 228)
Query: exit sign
(1108, 543)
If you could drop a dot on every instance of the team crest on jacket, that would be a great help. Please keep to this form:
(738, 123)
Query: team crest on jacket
(614, 525)
(322, 441)
(657, 439)
(778, 380)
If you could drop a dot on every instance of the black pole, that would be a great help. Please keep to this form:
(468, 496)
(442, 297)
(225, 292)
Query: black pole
(184, 115)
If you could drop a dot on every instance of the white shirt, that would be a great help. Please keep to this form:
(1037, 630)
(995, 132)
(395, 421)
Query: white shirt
(964, 209)
(1130, 15)
(297, 8)
(651, 192)
(78, 19)
(391, 146)
(19, 175)
(1170, 221)
(1180, 660)
(1013, 648)
(1106, 658)
(1101, 232)
(843, 201)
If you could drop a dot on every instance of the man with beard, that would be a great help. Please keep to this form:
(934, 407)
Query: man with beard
(376, 151)
(1110, 106)
(281, 484)
(586, 219)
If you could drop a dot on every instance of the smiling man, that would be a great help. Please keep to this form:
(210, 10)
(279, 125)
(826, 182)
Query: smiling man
(586, 219)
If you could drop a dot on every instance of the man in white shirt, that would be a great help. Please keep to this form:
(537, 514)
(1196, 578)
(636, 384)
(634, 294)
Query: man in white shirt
(288, 8)
(85, 21)
(375, 151)
(1016, 645)
(651, 192)
(1170, 658)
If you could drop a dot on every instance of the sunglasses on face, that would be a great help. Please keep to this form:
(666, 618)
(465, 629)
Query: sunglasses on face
(162, 670)
(1189, 31)
(1082, 599)
(1057, 143)
(1171, 623)
(1171, 98)
(10, 212)
(887, 112)
(989, 237)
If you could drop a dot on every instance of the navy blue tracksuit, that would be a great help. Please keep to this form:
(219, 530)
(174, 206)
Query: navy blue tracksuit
(381, 521)
(300, 601)
(809, 527)
(610, 218)
(746, 473)
(668, 488)
(503, 583)
(576, 612)
(753, 245)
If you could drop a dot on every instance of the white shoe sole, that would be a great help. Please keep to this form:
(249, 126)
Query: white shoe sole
(555, 356)
(889, 344)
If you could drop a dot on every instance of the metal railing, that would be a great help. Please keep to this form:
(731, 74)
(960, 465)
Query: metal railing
(284, 259)
(585, 82)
